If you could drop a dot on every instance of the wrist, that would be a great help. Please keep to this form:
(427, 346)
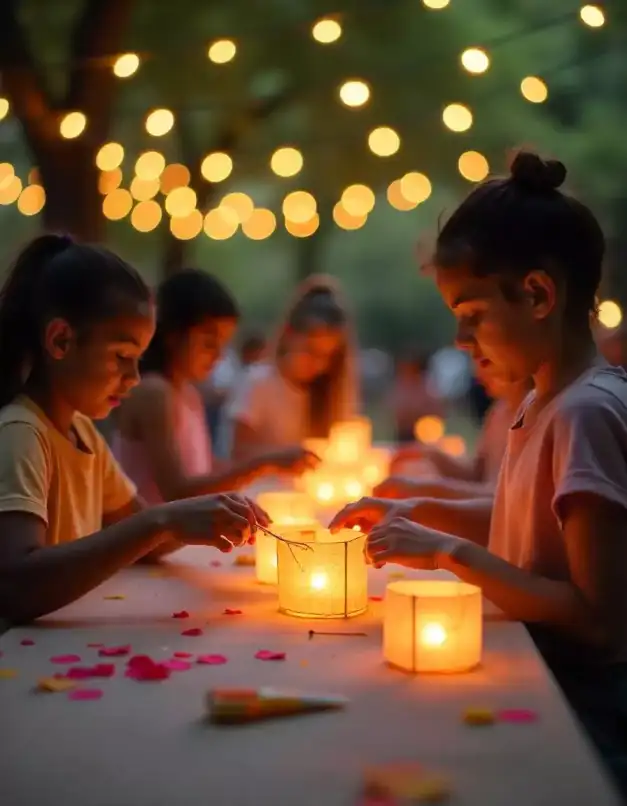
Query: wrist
(156, 521)
(448, 555)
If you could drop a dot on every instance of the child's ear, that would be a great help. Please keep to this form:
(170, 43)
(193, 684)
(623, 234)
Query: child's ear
(540, 292)
(58, 338)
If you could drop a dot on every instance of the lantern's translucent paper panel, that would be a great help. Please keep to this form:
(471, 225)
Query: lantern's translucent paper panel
(432, 625)
(266, 556)
(349, 440)
(328, 581)
(287, 508)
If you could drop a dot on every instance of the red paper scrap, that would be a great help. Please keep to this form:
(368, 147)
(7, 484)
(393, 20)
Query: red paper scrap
(141, 667)
(183, 654)
(27, 642)
(518, 715)
(193, 631)
(266, 654)
(114, 651)
(177, 665)
(85, 694)
(215, 563)
(212, 660)
(85, 672)
(230, 612)
(65, 659)
(95, 646)
(376, 598)
(180, 614)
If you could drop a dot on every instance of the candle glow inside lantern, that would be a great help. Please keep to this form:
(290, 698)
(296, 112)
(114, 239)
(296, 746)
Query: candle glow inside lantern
(329, 580)
(349, 440)
(286, 510)
(335, 485)
(432, 625)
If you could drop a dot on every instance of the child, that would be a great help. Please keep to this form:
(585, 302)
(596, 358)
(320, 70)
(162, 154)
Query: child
(310, 383)
(411, 396)
(74, 321)
(519, 264)
(163, 440)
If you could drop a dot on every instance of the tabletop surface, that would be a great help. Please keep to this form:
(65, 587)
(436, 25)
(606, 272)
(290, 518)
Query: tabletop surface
(147, 744)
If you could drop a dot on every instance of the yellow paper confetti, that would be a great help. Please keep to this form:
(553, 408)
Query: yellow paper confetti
(7, 674)
(478, 716)
(244, 559)
(115, 596)
(55, 684)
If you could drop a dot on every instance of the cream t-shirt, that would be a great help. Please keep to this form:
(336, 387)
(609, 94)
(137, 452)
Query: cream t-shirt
(274, 408)
(493, 438)
(43, 473)
(576, 444)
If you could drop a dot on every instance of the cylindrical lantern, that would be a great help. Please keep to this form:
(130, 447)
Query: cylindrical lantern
(349, 440)
(266, 548)
(432, 625)
(328, 580)
(286, 510)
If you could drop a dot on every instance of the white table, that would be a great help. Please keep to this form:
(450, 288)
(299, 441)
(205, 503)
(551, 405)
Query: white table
(145, 744)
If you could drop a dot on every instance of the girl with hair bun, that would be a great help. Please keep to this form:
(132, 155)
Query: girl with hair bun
(519, 264)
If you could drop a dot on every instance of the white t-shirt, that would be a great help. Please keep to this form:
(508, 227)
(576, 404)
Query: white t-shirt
(274, 408)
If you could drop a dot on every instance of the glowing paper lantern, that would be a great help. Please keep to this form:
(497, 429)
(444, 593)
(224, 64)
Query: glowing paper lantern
(350, 440)
(432, 625)
(328, 581)
(266, 547)
(332, 486)
(287, 510)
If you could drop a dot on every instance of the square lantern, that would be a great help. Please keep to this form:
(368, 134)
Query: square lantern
(330, 580)
(286, 510)
(331, 486)
(432, 625)
(349, 440)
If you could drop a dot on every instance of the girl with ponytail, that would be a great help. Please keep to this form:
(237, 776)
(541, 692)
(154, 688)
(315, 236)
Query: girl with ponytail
(74, 322)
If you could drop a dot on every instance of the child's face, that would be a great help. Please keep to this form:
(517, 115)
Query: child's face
(310, 355)
(197, 352)
(96, 369)
(505, 337)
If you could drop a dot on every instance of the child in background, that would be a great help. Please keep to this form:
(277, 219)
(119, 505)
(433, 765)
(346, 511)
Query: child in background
(162, 439)
(412, 395)
(310, 383)
(74, 321)
(519, 264)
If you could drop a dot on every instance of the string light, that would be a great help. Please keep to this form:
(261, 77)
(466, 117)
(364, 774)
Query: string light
(303, 229)
(31, 200)
(219, 227)
(457, 117)
(7, 172)
(126, 65)
(186, 227)
(592, 16)
(299, 206)
(345, 220)
(117, 204)
(72, 125)
(159, 122)
(181, 202)
(358, 200)
(109, 156)
(175, 175)
(475, 60)
(260, 225)
(534, 89)
(436, 5)
(146, 216)
(384, 141)
(4, 108)
(144, 189)
(222, 51)
(610, 314)
(396, 199)
(216, 167)
(286, 161)
(34, 177)
(10, 191)
(415, 187)
(326, 31)
(241, 204)
(354, 93)
(473, 166)
(150, 165)
(108, 181)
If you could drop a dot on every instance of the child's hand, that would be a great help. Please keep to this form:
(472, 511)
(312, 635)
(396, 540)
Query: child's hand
(293, 461)
(365, 513)
(398, 540)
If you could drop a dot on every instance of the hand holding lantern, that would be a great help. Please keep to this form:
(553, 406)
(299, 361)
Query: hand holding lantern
(399, 540)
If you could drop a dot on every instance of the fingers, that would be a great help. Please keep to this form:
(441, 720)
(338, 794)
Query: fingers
(235, 520)
(363, 513)
(222, 544)
(261, 516)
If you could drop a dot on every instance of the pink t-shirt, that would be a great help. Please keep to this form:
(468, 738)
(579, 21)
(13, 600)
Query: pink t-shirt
(493, 438)
(576, 444)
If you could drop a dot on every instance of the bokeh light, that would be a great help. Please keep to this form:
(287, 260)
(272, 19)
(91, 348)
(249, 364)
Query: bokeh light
(429, 430)
(117, 204)
(180, 202)
(415, 187)
(216, 167)
(144, 189)
(109, 156)
(592, 16)
(534, 89)
(473, 166)
(222, 51)
(345, 220)
(299, 206)
(435, 5)
(150, 165)
(610, 314)
(174, 175)
(303, 229)
(475, 60)
(186, 227)
(146, 216)
(286, 161)
(396, 199)
(159, 122)
(7, 172)
(108, 181)
(10, 190)
(358, 200)
(384, 141)
(457, 117)
(31, 200)
(326, 31)
(4, 108)
(72, 125)
(354, 93)
(126, 65)
(260, 224)
(219, 227)
(240, 203)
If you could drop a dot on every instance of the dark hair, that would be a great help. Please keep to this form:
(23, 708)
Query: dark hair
(184, 300)
(510, 226)
(56, 276)
(251, 343)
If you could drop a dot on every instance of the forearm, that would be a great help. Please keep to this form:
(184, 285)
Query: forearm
(52, 577)
(522, 596)
(232, 478)
(468, 518)
(454, 468)
(455, 490)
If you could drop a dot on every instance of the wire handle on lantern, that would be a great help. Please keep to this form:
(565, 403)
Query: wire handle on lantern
(289, 543)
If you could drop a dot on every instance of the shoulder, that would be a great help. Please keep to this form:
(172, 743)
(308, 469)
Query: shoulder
(22, 428)
(152, 389)
(90, 434)
(600, 397)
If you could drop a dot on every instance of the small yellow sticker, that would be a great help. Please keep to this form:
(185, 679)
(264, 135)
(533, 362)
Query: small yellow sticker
(55, 684)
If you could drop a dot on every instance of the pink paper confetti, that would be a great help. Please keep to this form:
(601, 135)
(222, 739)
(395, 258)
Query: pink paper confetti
(375, 598)
(85, 694)
(183, 654)
(65, 659)
(95, 646)
(212, 660)
(215, 563)
(230, 612)
(193, 631)
(177, 665)
(114, 651)
(141, 667)
(266, 654)
(180, 614)
(27, 642)
(518, 715)
(85, 672)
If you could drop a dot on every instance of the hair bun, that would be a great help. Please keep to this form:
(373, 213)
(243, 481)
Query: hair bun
(532, 173)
